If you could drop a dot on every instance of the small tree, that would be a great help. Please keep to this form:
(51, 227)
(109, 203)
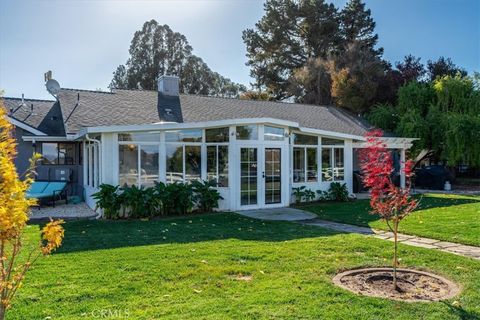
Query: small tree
(392, 203)
(14, 208)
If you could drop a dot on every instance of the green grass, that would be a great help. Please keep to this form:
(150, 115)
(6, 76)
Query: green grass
(185, 268)
(452, 218)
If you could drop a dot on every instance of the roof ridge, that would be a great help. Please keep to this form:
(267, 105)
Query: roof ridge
(25, 99)
(135, 90)
(253, 100)
(87, 90)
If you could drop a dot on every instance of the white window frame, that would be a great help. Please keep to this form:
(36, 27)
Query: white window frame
(332, 161)
(139, 145)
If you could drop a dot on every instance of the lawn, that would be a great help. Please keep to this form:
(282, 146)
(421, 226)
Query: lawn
(225, 266)
(452, 218)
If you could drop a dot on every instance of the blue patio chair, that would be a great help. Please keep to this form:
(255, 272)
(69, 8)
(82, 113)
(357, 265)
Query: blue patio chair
(43, 190)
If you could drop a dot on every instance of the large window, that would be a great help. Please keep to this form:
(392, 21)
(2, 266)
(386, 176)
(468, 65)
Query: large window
(305, 167)
(59, 153)
(333, 166)
(191, 135)
(139, 158)
(184, 163)
(217, 155)
(304, 164)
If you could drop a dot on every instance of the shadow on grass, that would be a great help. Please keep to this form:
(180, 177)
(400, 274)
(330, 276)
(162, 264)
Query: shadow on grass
(99, 234)
(357, 212)
(462, 313)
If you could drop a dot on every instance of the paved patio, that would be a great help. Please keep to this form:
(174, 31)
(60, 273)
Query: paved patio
(308, 218)
(63, 211)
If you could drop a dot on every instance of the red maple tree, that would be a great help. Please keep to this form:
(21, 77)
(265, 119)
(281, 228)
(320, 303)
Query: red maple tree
(392, 203)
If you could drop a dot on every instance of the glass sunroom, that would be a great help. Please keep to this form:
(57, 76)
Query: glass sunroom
(255, 163)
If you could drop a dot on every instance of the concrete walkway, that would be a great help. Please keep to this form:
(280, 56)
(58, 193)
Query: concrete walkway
(455, 248)
(281, 214)
(308, 218)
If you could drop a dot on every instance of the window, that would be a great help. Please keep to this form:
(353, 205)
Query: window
(184, 163)
(138, 164)
(217, 165)
(217, 135)
(148, 165)
(304, 164)
(58, 153)
(140, 136)
(333, 167)
(332, 142)
(191, 135)
(273, 134)
(304, 139)
(249, 132)
(128, 162)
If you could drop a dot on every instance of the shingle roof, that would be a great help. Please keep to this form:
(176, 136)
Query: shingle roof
(44, 116)
(82, 108)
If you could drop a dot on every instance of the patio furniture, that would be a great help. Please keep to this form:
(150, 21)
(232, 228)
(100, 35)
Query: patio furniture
(43, 190)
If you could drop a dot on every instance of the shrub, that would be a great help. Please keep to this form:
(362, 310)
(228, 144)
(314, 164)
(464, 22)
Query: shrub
(299, 193)
(324, 195)
(338, 191)
(133, 202)
(309, 195)
(108, 200)
(205, 195)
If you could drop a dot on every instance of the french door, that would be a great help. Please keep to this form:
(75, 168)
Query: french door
(261, 176)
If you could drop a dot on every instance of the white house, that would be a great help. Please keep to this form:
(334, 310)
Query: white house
(255, 150)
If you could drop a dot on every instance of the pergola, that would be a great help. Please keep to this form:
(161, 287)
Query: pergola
(401, 144)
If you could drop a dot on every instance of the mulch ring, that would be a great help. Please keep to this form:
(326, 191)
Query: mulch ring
(413, 285)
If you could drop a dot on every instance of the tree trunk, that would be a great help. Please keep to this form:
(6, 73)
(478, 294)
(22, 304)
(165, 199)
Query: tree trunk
(395, 237)
(2, 312)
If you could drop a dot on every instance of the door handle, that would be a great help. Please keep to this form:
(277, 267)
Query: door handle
(263, 174)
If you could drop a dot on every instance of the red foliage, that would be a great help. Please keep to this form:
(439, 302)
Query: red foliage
(387, 200)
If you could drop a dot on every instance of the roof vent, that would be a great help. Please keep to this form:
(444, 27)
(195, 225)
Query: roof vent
(169, 85)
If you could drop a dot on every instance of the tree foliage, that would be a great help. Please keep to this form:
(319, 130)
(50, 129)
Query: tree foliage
(298, 50)
(443, 67)
(157, 50)
(390, 202)
(14, 209)
(443, 114)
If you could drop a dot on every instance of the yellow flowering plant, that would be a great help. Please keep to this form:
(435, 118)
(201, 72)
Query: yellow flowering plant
(14, 214)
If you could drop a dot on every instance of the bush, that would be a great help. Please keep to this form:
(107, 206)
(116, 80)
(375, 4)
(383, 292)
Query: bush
(309, 195)
(108, 200)
(298, 193)
(162, 199)
(336, 192)
(205, 195)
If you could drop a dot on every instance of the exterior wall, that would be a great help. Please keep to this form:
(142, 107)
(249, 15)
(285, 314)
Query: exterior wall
(109, 167)
(24, 151)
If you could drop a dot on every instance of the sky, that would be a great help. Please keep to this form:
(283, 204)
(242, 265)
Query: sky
(83, 41)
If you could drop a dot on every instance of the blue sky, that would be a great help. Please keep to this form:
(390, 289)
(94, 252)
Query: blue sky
(83, 42)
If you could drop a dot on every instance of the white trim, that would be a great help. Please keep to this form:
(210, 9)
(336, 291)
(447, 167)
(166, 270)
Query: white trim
(187, 125)
(46, 139)
(331, 134)
(25, 126)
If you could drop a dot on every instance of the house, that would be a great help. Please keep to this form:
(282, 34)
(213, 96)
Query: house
(256, 151)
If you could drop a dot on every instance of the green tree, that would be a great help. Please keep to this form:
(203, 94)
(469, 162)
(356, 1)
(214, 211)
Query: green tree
(357, 25)
(286, 37)
(443, 67)
(157, 50)
(355, 76)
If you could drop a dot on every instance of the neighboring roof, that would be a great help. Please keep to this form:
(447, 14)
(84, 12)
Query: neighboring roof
(81, 108)
(45, 115)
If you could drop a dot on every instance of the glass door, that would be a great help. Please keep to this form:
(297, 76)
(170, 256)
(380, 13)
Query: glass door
(249, 176)
(273, 175)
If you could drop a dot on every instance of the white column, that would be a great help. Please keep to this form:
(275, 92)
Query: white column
(402, 167)
(348, 165)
